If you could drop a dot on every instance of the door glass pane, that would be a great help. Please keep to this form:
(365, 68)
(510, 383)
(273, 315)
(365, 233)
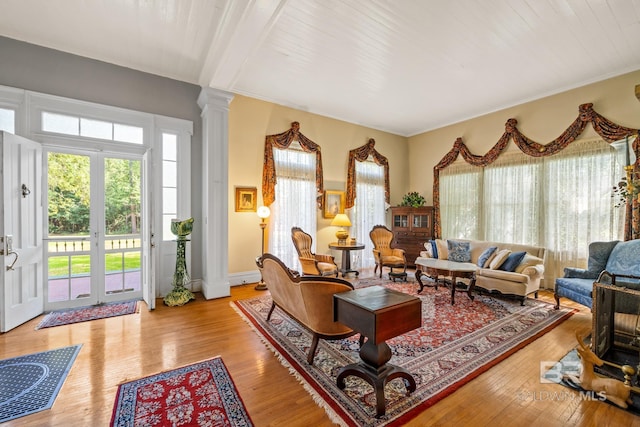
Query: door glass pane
(123, 248)
(68, 244)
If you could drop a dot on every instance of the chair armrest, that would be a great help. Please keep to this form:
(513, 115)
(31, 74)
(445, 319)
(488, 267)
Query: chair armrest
(579, 273)
(397, 252)
(325, 258)
(309, 265)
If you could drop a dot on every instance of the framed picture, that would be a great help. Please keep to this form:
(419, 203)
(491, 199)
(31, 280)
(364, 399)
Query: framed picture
(246, 199)
(333, 203)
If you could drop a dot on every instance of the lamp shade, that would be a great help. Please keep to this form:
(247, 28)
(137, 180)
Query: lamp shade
(341, 220)
(263, 212)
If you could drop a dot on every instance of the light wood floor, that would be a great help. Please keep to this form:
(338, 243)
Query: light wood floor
(128, 347)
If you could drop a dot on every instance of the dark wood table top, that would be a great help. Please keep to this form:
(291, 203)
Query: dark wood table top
(374, 298)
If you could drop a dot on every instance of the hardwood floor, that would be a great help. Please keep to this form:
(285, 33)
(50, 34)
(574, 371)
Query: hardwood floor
(127, 347)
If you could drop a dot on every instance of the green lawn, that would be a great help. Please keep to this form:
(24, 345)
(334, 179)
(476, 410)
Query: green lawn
(59, 265)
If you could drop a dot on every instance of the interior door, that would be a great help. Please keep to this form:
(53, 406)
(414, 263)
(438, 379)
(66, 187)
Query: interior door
(21, 275)
(148, 237)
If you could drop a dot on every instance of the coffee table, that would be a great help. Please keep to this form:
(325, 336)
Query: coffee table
(379, 314)
(441, 267)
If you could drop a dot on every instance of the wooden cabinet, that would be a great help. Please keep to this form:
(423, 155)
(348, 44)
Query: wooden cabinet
(412, 227)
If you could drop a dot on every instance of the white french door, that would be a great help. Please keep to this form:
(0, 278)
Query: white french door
(94, 243)
(20, 230)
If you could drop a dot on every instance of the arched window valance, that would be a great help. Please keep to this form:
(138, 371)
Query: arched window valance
(608, 130)
(282, 141)
(361, 154)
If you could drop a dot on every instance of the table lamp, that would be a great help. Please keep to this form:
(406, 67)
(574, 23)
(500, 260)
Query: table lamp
(341, 220)
(263, 214)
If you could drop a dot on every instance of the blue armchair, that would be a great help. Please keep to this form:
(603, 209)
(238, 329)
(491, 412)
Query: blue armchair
(616, 258)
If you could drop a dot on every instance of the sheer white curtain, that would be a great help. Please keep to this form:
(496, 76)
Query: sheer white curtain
(578, 204)
(511, 199)
(460, 206)
(295, 203)
(369, 208)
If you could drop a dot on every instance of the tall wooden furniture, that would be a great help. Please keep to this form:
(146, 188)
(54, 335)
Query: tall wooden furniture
(411, 228)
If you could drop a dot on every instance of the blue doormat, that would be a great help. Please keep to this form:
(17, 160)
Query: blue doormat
(30, 383)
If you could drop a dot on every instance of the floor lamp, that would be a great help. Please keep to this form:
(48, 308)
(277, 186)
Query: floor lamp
(263, 214)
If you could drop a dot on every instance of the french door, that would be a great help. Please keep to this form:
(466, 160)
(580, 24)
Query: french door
(93, 243)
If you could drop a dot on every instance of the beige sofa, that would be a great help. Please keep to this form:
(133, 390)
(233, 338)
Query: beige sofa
(308, 299)
(523, 281)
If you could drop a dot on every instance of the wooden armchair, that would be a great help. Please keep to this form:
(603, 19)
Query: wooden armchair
(312, 264)
(384, 254)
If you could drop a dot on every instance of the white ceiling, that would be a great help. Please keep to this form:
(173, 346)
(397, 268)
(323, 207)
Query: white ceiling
(402, 66)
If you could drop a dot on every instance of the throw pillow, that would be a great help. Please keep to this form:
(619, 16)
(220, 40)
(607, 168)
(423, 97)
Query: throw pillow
(443, 251)
(459, 251)
(429, 247)
(486, 256)
(528, 261)
(500, 257)
(512, 261)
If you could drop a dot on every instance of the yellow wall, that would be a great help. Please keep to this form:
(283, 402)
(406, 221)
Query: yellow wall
(250, 120)
(542, 121)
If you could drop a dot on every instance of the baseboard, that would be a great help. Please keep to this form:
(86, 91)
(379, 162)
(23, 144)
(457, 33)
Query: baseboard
(242, 278)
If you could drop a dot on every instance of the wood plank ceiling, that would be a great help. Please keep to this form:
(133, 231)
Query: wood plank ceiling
(403, 66)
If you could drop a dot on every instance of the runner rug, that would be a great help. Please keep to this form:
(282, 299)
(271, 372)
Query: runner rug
(202, 394)
(83, 314)
(454, 345)
(31, 383)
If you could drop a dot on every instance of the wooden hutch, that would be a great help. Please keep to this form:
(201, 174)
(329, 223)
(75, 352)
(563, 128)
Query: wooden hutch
(412, 227)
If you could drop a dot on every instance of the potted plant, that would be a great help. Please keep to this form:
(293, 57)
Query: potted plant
(413, 199)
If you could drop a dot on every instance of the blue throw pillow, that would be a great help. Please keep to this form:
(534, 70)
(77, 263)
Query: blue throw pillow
(512, 261)
(486, 255)
(459, 251)
(434, 248)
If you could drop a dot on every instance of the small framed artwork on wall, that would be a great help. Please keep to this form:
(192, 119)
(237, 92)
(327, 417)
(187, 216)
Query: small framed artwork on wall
(246, 199)
(333, 203)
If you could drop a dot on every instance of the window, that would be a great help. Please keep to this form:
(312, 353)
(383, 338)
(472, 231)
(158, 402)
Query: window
(169, 183)
(295, 203)
(460, 205)
(81, 126)
(562, 202)
(7, 120)
(511, 199)
(369, 208)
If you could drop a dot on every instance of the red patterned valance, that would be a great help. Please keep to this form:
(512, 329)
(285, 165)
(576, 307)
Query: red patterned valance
(361, 154)
(282, 141)
(608, 130)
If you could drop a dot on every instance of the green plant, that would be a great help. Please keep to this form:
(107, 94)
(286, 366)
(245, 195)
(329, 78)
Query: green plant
(413, 199)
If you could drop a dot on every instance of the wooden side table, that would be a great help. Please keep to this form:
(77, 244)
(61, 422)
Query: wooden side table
(379, 314)
(346, 255)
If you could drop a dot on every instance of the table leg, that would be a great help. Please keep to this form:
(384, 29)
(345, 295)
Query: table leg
(346, 263)
(419, 275)
(376, 372)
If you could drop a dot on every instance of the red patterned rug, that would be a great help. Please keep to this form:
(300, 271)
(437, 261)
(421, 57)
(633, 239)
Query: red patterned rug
(84, 314)
(455, 344)
(202, 394)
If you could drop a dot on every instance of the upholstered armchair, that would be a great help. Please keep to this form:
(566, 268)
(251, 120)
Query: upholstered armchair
(383, 253)
(577, 283)
(309, 300)
(312, 264)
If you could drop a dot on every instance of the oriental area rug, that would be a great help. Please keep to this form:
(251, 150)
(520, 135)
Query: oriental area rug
(31, 383)
(83, 314)
(201, 394)
(454, 345)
